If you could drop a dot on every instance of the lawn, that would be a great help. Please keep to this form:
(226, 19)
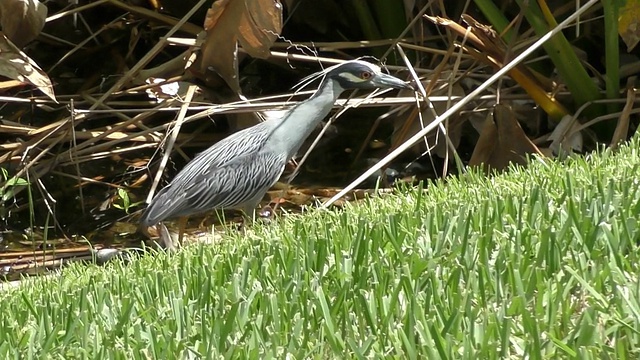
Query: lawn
(534, 263)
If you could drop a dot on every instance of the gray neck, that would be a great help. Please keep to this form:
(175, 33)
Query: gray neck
(293, 129)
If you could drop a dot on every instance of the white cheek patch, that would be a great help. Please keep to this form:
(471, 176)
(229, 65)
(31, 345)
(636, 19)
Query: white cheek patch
(351, 77)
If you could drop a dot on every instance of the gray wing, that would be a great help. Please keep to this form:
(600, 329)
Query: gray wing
(248, 141)
(227, 186)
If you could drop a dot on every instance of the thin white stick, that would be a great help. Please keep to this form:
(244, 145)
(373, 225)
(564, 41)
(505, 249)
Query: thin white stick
(417, 137)
(172, 140)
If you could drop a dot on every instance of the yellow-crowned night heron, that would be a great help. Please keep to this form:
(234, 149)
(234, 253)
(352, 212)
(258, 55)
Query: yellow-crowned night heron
(236, 172)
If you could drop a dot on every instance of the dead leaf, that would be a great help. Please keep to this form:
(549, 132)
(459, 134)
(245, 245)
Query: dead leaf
(22, 20)
(566, 138)
(255, 23)
(502, 141)
(16, 65)
(486, 143)
(629, 24)
(260, 27)
(492, 49)
(622, 128)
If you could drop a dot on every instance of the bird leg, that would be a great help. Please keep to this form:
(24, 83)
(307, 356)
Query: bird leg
(182, 225)
(167, 240)
(170, 240)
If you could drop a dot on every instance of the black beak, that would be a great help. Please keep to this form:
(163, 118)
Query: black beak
(384, 80)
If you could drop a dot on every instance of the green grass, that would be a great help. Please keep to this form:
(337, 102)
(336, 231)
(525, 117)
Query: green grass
(536, 263)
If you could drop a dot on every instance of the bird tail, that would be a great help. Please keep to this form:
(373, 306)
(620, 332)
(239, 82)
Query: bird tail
(143, 228)
(147, 220)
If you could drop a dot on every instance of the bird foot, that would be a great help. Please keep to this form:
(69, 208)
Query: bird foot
(168, 240)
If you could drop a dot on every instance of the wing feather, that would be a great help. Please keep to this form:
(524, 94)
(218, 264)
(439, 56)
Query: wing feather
(241, 143)
(228, 185)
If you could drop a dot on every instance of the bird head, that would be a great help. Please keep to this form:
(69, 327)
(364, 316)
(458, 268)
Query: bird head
(358, 74)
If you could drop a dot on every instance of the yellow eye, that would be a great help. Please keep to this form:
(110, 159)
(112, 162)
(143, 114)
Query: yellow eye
(366, 75)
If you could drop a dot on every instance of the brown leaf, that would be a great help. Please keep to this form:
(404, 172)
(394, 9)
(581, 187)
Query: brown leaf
(486, 144)
(18, 66)
(22, 20)
(492, 50)
(622, 127)
(629, 24)
(219, 52)
(260, 26)
(566, 137)
(255, 23)
(502, 142)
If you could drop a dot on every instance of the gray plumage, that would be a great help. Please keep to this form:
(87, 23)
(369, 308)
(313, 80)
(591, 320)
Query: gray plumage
(237, 171)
